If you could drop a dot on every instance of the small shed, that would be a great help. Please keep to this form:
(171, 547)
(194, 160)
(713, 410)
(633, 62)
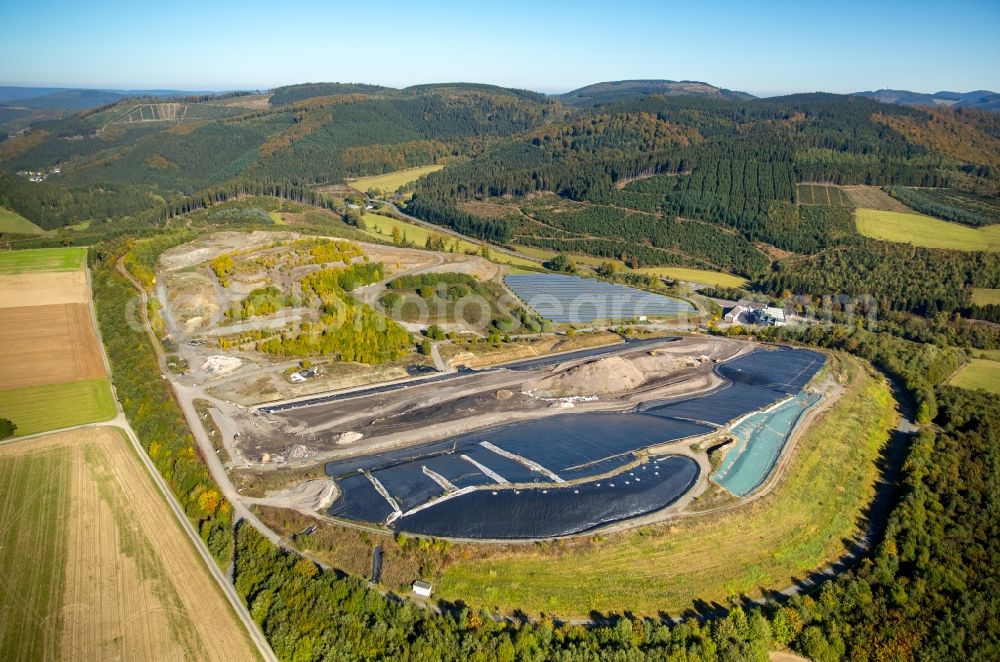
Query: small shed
(422, 588)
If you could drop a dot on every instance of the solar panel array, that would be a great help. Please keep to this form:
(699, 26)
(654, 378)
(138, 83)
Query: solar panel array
(575, 300)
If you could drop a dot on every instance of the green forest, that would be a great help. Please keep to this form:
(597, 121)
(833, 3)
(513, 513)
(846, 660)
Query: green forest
(649, 180)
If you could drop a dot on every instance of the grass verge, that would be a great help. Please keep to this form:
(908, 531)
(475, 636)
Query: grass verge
(41, 408)
(381, 227)
(925, 231)
(799, 527)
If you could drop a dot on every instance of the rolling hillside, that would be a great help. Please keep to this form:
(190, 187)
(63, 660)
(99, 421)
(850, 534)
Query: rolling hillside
(979, 99)
(659, 174)
(600, 94)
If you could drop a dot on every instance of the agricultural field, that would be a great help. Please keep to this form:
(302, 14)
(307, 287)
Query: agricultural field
(822, 194)
(381, 227)
(48, 345)
(42, 259)
(391, 181)
(52, 406)
(702, 276)
(981, 373)
(984, 296)
(872, 197)
(14, 223)
(797, 528)
(52, 372)
(924, 231)
(99, 568)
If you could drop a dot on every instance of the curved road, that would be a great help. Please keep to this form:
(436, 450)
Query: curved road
(896, 452)
(263, 647)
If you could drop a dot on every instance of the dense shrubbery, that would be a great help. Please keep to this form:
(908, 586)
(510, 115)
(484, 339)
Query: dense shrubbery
(150, 406)
(350, 330)
(261, 301)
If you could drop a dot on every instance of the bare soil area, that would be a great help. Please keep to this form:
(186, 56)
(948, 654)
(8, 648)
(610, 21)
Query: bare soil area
(42, 288)
(872, 197)
(48, 344)
(424, 412)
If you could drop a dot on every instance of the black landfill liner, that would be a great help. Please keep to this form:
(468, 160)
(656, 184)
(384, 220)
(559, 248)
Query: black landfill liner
(408, 485)
(359, 500)
(570, 446)
(556, 511)
(457, 471)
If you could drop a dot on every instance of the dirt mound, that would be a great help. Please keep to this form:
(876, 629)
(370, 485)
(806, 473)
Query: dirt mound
(309, 496)
(220, 365)
(605, 376)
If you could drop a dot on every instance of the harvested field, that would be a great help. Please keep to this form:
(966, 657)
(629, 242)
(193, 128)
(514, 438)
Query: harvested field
(43, 289)
(52, 372)
(52, 406)
(872, 197)
(112, 575)
(48, 345)
(42, 259)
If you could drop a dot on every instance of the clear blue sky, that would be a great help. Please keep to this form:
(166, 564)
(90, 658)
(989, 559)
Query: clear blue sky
(764, 48)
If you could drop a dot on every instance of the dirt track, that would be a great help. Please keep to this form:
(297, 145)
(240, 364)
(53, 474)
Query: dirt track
(48, 344)
(134, 587)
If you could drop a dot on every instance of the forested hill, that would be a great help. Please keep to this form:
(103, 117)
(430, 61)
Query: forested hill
(141, 153)
(601, 94)
(713, 183)
(709, 181)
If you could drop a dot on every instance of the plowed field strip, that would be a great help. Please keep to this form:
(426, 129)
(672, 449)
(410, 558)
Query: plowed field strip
(48, 345)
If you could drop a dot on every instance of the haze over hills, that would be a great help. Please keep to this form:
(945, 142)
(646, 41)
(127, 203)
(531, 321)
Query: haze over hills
(978, 99)
(21, 107)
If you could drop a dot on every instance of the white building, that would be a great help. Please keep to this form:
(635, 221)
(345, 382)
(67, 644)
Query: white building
(772, 316)
(422, 589)
(752, 312)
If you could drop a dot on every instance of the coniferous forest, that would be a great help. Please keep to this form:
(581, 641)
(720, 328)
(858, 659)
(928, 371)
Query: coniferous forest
(648, 180)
